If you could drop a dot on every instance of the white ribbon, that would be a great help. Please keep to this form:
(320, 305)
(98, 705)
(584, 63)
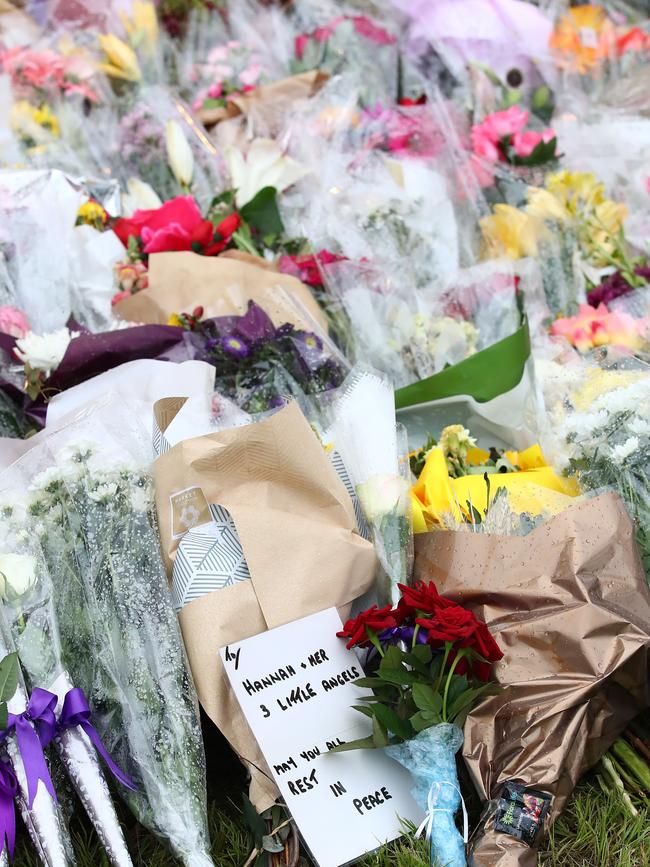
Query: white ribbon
(432, 808)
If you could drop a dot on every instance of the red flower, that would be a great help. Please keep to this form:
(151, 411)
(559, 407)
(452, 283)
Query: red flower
(168, 228)
(377, 619)
(423, 597)
(453, 623)
(177, 225)
(306, 268)
(407, 101)
(367, 28)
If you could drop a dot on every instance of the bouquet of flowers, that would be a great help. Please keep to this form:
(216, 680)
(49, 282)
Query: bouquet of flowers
(91, 512)
(32, 622)
(598, 430)
(259, 365)
(431, 665)
(355, 43)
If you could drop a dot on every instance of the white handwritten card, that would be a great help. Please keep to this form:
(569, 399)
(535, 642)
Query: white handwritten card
(295, 685)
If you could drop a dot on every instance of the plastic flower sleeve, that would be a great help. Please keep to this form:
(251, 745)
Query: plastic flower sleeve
(364, 431)
(42, 816)
(430, 758)
(31, 620)
(119, 635)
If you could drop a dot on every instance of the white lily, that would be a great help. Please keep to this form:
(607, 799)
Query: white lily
(139, 196)
(263, 165)
(179, 153)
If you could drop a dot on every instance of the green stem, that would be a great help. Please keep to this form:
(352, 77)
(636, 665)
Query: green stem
(459, 655)
(372, 635)
(415, 635)
(243, 244)
(442, 667)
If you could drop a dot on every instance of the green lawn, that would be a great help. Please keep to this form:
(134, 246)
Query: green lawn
(594, 831)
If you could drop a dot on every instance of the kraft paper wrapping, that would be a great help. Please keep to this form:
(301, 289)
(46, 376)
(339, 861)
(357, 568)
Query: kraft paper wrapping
(267, 100)
(223, 286)
(297, 527)
(570, 608)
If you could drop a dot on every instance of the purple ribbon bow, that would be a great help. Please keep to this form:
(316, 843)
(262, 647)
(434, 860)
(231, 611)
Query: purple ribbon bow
(8, 790)
(76, 712)
(35, 727)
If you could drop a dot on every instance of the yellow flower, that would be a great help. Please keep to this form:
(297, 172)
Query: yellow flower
(121, 60)
(174, 319)
(92, 214)
(577, 191)
(546, 206)
(35, 125)
(535, 489)
(582, 37)
(510, 232)
(141, 25)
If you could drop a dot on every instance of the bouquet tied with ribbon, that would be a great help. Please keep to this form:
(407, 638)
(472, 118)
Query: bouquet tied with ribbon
(431, 661)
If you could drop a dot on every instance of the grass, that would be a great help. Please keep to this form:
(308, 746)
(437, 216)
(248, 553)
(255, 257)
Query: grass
(594, 831)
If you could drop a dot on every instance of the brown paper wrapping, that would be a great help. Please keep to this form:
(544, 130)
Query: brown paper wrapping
(296, 524)
(268, 100)
(223, 286)
(570, 608)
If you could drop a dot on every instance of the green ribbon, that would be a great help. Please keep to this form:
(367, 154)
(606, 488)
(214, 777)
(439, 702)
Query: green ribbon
(484, 376)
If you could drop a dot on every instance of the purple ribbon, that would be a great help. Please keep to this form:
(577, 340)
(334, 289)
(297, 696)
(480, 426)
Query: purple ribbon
(8, 790)
(35, 727)
(76, 712)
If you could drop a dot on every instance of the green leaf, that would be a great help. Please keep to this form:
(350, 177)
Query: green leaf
(389, 719)
(254, 821)
(424, 719)
(269, 844)
(423, 653)
(436, 665)
(400, 676)
(457, 686)
(364, 710)
(9, 670)
(426, 698)
(262, 212)
(368, 682)
(379, 734)
(3, 716)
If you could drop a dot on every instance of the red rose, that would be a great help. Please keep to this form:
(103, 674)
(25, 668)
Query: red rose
(407, 101)
(423, 597)
(377, 619)
(453, 623)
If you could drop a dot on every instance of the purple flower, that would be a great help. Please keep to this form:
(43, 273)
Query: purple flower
(615, 286)
(235, 346)
(402, 633)
(255, 324)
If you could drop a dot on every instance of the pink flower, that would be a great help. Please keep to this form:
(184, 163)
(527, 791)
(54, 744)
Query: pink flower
(367, 28)
(251, 75)
(483, 144)
(215, 90)
(598, 327)
(525, 142)
(300, 43)
(13, 322)
(503, 123)
(36, 68)
(119, 296)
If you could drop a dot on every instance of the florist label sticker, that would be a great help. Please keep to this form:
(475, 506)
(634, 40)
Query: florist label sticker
(295, 685)
(189, 509)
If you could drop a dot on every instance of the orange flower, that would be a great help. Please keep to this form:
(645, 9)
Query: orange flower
(582, 37)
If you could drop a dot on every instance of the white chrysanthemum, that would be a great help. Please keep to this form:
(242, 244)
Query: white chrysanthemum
(103, 492)
(624, 450)
(141, 498)
(44, 351)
